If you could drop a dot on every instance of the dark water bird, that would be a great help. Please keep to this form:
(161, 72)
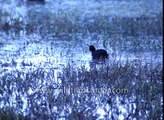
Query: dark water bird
(99, 54)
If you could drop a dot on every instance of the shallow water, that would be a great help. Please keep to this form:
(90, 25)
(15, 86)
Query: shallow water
(32, 51)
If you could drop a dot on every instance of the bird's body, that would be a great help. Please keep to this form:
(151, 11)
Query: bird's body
(99, 54)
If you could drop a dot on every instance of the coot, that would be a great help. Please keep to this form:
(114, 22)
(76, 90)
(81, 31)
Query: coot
(99, 54)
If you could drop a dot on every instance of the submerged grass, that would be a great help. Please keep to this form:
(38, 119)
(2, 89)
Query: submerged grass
(76, 93)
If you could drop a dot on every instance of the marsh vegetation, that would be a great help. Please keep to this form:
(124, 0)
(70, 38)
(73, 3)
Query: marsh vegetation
(47, 70)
